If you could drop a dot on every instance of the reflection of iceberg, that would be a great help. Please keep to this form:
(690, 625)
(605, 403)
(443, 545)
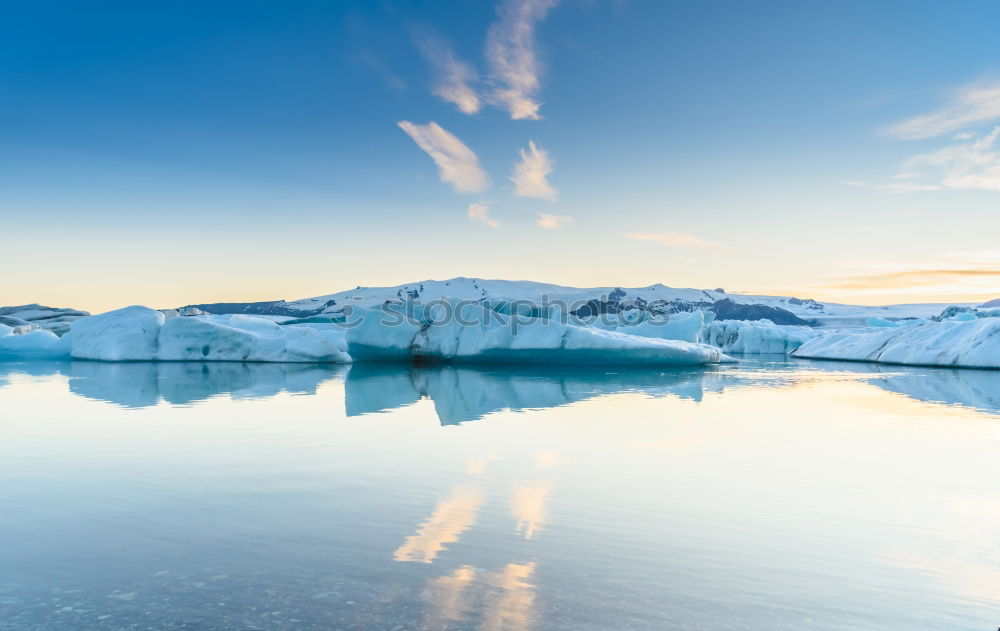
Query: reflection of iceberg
(979, 389)
(142, 384)
(465, 393)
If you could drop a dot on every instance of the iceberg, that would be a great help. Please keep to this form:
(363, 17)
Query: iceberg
(686, 327)
(757, 337)
(470, 332)
(129, 334)
(143, 334)
(55, 319)
(247, 338)
(32, 345)
(954, 343)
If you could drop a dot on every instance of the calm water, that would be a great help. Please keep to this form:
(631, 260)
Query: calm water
(768, 495)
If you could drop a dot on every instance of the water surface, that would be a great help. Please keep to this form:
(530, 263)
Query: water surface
(768, 495)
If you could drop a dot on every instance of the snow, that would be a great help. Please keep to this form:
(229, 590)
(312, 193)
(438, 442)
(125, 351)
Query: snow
(496, 293)
(756, 337)
(973, 344)
(452, 330)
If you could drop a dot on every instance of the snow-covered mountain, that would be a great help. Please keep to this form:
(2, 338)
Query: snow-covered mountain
(592, 301)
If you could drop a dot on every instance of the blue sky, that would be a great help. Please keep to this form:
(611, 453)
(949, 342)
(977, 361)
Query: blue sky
(170, 153)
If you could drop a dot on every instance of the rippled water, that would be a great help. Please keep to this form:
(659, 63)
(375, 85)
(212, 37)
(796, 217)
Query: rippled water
(767, 495)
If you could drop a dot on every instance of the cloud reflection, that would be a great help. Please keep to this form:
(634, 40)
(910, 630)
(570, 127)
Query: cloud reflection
(493, 601)
(450, 519)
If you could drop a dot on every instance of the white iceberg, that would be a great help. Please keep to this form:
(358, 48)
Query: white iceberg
(957, 343)
(247, 338)
(143, 334)
(757, 337)
(457, 331)
(55, 319)
(686, 327)
(129, 334)
(32, 345)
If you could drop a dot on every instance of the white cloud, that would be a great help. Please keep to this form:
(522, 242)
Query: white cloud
(453, 77)
(531, 173)
(480, 212)
(677, 240)
(510, 52)
(553, 222)
(970, 106)
(971, 165)
(457, 164)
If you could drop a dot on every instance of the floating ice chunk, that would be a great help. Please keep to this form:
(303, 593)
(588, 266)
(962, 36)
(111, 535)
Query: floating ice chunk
(246, 338)
(55, 319)
(35, 344)
(973, 344)
(685, 327)
(452, 330)
(140, 333)
(757, 336)
(121, 335)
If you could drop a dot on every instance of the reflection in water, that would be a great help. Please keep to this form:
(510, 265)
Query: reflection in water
(528, 505)
(144, 384)
(449, 598)
(468, 393)
(978, 389)
(792, 488)
(503, 600)
(450, 519)
(510, 604)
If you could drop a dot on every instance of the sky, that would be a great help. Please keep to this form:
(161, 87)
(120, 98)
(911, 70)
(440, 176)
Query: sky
(170, 153)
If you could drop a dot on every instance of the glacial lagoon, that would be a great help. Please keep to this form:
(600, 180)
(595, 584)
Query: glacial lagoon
(772, 494)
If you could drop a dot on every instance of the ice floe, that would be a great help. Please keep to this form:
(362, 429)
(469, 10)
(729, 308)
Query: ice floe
(956, 343)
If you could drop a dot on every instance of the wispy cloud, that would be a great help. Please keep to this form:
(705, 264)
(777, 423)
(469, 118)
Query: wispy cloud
(962, 276)
(914, 278)
(453, 78)
(677, 240)
(553, 222)
(457, 164)
(510, 52)
(531, 174)
(970, 165)
(480, 212)
(971, 105)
